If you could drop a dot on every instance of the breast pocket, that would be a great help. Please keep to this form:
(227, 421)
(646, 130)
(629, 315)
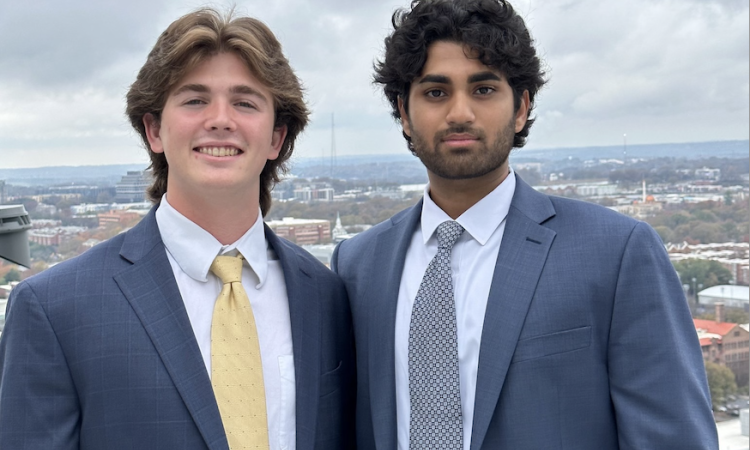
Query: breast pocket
(287, 428)
(552, 344)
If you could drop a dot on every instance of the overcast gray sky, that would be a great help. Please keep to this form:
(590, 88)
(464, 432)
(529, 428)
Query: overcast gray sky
(658, 70)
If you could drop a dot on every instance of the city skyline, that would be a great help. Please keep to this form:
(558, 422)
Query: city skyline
(659, 71)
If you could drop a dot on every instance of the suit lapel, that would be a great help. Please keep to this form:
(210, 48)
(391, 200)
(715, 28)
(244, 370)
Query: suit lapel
(390, 253)
(152, 291)
(523, 253)
(304, 313)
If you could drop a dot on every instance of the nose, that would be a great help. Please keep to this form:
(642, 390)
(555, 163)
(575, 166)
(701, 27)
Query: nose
(219, 116)
(461, 110)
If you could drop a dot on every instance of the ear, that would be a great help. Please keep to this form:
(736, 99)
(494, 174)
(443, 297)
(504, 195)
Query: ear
(404, 117)
(277, 140)
(523, 111)
(153, 129)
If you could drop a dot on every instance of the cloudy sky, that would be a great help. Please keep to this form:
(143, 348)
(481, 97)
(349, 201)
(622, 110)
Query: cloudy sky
(657, 70)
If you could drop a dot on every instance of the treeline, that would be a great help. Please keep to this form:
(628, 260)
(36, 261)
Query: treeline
(703, 223)
(653, 170)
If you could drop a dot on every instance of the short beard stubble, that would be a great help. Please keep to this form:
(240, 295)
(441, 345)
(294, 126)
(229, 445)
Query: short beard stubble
(461, 164)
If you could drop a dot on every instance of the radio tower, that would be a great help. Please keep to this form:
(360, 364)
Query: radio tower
(333, 147)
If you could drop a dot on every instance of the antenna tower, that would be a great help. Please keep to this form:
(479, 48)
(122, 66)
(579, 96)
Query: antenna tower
(333, 147)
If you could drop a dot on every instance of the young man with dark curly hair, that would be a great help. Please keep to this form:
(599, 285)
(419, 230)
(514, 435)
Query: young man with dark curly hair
(198, 328)
(490, 316)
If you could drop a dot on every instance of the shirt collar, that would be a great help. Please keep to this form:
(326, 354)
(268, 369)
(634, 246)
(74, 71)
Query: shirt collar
(194, 248)
(480, 221)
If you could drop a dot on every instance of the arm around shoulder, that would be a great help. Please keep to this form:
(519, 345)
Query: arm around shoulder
(39, 407)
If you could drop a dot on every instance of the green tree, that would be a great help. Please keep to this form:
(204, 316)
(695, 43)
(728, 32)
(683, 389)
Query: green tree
(727, 198)
(12, 275)
(665, 233)
(707, 273)
(40, 252)
(720, 382)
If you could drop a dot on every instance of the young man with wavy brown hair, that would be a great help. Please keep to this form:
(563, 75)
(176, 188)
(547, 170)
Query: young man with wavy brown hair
(198, 328)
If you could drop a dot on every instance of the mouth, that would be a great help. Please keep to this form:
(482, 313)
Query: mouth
(218, 152)
(460, 140)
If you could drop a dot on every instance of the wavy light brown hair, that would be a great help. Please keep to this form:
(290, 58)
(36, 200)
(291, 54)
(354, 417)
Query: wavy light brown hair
(196, 37)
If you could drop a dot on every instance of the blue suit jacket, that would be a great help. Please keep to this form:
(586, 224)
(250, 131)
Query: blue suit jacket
(587, 340)
(98, 353)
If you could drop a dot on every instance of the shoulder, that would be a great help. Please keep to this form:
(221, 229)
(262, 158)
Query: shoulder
(94, 262)
(368, 238)
(587, 215)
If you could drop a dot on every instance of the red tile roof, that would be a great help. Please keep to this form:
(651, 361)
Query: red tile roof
(711, 326)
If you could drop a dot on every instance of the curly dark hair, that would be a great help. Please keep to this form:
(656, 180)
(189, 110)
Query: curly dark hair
(196, 37)
(493, 31)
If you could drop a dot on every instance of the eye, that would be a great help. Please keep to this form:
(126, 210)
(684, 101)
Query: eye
(194, 101)
(245, 104)
(434, 93)
(485, 90)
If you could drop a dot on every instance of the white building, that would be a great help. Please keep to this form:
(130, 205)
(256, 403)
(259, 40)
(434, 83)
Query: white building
(732, 296)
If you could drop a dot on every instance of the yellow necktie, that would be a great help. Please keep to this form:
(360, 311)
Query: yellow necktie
(236, 369)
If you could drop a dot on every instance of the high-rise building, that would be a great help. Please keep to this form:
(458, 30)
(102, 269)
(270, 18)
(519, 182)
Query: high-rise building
(132, 187)
(2, 192)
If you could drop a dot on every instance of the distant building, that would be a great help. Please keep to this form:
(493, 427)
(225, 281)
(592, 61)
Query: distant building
(726, 344)
(2, 192)
(54, 235)
(339, 233)
(314, 194)
(730, 295)
(338, 229)
(132, 187)
(302, 231)
(119, 216)
(85, 208)
(596, 189)
(708, 174)
(45, 237)
(530, 166)
(639, 209)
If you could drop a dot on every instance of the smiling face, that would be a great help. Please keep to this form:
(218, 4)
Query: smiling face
(217, 132)
(461, 118)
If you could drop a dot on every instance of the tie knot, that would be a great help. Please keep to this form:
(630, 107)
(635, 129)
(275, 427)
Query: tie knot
(448, 233)
(228, 268)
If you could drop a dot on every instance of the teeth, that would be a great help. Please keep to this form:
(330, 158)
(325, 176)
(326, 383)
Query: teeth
(219, 151)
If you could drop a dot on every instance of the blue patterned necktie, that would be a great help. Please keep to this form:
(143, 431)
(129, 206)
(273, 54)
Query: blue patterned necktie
(435, 417)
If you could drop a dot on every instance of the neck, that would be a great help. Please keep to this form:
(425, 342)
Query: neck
(456, 196)
(226, 217)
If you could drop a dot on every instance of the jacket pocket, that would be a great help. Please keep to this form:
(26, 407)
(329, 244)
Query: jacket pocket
(552, 344)
(331, 381)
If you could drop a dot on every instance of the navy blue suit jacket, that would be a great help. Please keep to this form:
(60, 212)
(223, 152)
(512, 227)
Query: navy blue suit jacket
(587, 342)
(98, 353)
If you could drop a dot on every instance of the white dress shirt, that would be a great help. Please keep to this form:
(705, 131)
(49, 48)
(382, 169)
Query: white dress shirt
(472, 264)
(191, 251)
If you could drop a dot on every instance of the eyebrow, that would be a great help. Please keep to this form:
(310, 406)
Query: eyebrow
(439, 79)
(475, 78)
(239, 89)
(484, 76)
(247, 90)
